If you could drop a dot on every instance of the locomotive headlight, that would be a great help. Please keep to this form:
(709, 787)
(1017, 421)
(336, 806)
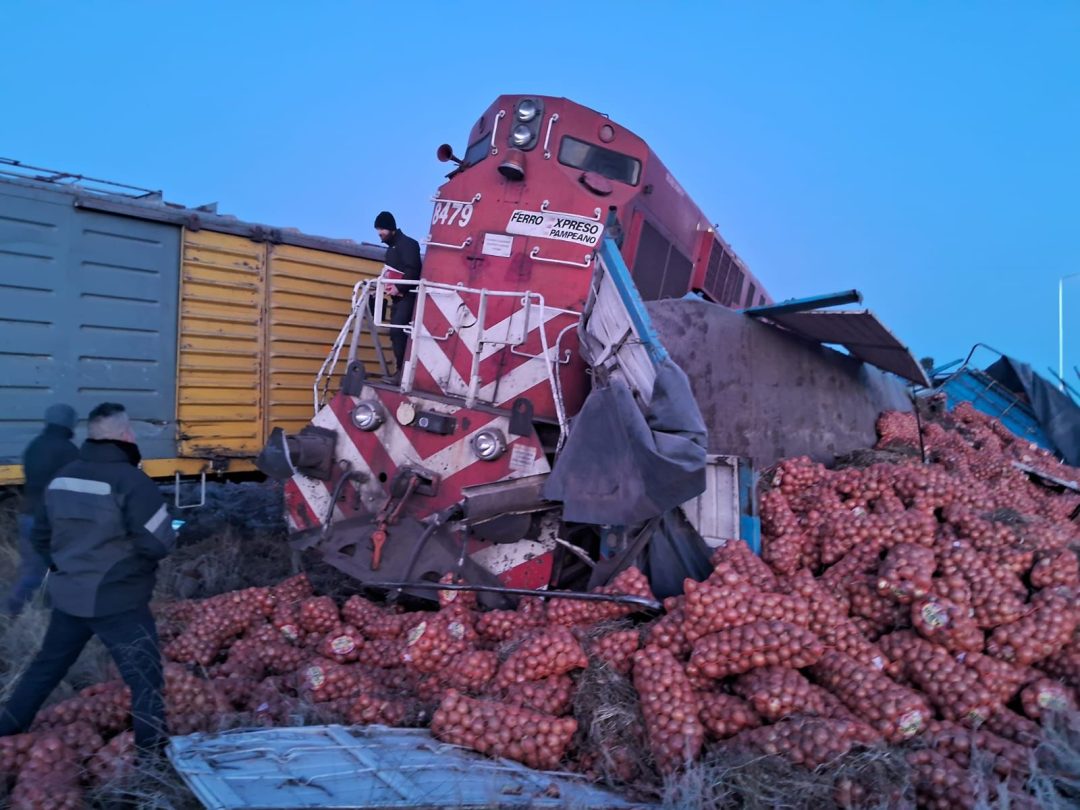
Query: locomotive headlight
(520, 135)
(368, 415)
(489, 444)
(527, 110)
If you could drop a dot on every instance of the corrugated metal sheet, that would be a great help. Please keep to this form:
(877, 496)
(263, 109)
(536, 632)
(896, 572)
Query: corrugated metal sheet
(862, 334)
(308, 298)
(370, 767)
(87, 314)
(221, 345)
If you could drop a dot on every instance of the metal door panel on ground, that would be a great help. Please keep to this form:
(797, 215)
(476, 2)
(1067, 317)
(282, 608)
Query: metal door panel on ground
(308, 299)
(371, 767)
(221, 345)
(87, 314)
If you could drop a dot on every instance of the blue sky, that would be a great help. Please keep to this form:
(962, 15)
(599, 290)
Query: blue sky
(927, 154)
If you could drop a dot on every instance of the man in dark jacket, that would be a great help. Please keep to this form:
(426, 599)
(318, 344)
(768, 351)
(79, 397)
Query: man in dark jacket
(403, 254)
(102, 527)
(48, 452)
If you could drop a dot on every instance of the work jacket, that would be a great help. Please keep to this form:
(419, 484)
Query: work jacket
(403, 254)
(102, 527)
(48, 452)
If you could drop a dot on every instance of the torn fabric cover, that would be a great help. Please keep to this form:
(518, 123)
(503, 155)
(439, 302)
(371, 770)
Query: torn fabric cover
(1058, 415)
(622, 467)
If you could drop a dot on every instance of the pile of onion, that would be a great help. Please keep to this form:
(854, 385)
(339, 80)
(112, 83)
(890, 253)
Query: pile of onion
(778, 692)
(670, 707)
(724, 715)
(758, 644)
(503, 730)
(549, 652)
(805, 740)
(616, 649)
(49, 779)
(572, 612)
(897, 713)
(1039, 634)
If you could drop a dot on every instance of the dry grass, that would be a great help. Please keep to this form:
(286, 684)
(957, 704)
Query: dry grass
(149, 787)
(611, 729)
(1055, 782)
(223, 562)
(20, 638)
(728, 778)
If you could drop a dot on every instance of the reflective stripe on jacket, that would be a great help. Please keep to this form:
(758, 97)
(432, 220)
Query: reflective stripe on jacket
(103, 526)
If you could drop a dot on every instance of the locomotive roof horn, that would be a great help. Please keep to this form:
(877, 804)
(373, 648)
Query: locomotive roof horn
(445, 153)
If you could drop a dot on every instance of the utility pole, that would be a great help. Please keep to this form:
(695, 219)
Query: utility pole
(1061, 329)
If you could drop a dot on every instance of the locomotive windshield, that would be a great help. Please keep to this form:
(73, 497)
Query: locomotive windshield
(592, 158)
(477, 151)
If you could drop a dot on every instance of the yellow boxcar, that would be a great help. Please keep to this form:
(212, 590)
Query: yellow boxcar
(209, 329)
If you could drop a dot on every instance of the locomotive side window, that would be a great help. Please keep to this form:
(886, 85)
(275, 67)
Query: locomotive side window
(649, 263)
(592, 158)
(477, 151)
(723, 285)
(750, 295)
(712, 272)
(676, 275)
(736, 294)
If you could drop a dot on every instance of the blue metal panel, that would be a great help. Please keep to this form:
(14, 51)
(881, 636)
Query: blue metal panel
(749, 520)
(88, 308)
(372, 767)
(990, 397)
(635, 307)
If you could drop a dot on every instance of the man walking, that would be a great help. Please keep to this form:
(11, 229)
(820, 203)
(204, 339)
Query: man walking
(48, 452)
(102, 527)
(402, 254)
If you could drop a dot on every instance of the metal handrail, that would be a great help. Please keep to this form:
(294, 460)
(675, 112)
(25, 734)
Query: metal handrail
(359, 312)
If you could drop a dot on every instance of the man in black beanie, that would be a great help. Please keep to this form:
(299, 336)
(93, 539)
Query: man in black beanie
(402, 254)
(46, 454)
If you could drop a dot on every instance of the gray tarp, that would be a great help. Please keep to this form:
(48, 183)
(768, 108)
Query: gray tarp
(622, 467)
(1058, 415)
(676, 552)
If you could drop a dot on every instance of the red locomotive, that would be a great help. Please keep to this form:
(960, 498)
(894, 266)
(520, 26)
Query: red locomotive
(447, 470)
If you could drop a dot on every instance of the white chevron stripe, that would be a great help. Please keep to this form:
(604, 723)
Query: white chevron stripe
(451, 307)
(455, 457)
(317, 497)
(315, 492)
(514, 383)
(433, 357)
(371, 491)
(498, 558)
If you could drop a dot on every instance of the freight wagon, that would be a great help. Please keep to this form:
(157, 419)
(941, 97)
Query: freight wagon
(208, 328)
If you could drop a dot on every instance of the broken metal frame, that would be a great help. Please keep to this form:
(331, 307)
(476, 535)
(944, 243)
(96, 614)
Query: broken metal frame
(634, 601)
(805, 304)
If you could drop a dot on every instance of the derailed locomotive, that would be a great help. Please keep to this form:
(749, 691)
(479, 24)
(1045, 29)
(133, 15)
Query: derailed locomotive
(592, 376)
